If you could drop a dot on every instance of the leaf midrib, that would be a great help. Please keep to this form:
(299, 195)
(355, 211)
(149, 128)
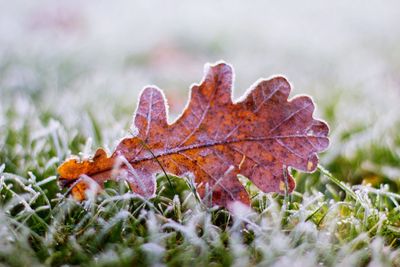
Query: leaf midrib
(217, 143)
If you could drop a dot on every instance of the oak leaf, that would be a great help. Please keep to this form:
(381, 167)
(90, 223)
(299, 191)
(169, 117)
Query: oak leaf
(260, 136)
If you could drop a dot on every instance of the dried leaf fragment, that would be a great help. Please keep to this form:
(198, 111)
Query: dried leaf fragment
(215, 139)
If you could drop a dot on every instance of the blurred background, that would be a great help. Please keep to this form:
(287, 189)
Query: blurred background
(71, 71)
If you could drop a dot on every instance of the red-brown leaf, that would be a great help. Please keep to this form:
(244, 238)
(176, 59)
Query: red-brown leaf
(259, 136)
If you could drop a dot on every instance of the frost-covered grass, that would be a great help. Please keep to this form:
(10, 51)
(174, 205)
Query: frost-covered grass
(69, 77)
(325, 222)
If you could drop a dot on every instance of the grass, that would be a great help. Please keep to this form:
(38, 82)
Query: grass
(327, 221)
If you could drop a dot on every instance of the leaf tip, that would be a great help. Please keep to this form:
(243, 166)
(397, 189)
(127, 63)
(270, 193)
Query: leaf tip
(218, 70)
